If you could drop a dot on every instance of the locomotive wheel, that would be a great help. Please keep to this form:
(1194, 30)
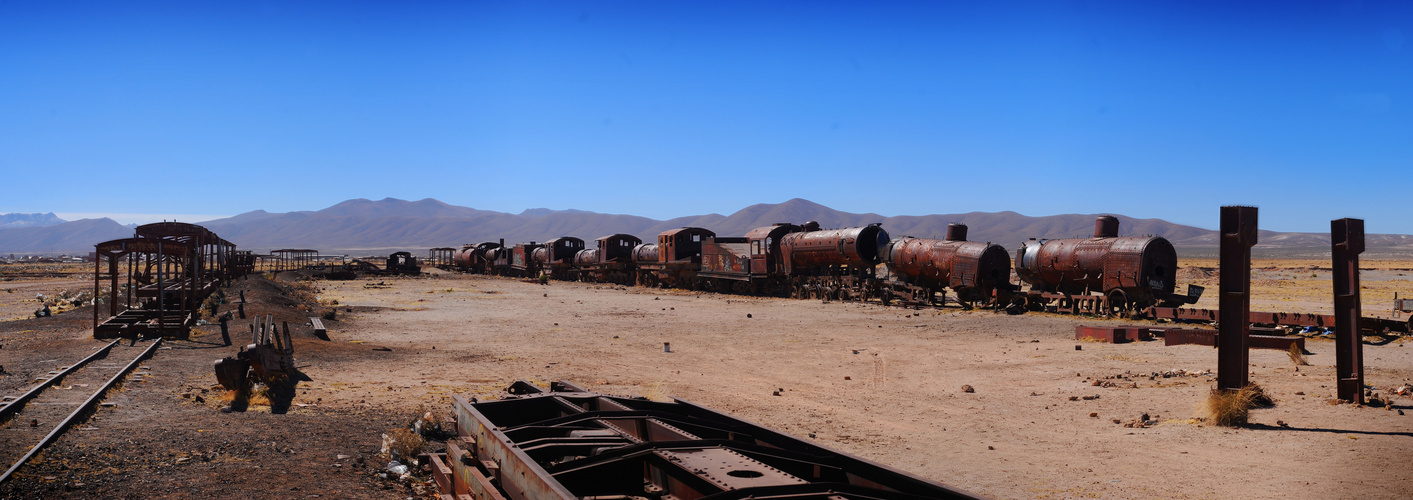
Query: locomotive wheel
(1118, 303)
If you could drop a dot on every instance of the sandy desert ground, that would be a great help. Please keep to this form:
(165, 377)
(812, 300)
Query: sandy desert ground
(881, 382)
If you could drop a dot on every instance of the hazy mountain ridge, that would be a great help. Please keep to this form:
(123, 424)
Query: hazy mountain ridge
(76, 237)
(19, 220)
(417, 225)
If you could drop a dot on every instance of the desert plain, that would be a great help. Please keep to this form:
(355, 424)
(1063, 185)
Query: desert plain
(1046, 416)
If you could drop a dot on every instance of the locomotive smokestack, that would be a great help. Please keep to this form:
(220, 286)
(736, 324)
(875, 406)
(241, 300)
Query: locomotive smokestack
(956, 232)
(1106, 226)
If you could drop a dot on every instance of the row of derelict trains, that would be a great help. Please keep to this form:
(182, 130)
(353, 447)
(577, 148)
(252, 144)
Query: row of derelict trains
(1116, 273)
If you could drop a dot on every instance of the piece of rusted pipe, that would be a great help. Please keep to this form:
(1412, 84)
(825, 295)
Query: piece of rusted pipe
(1347, 242)
(1238, 235)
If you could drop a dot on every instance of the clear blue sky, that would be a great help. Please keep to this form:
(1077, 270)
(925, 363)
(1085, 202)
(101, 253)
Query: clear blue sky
(665, 109)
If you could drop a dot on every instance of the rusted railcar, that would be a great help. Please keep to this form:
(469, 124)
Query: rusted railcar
(556, 257)
(573, 444)
(833, 263)
(752, 264)
(611, 261)
(1130, 272)
(402, 263)
(674, 261)
(517, 261)
(921, 268)
(475, 258)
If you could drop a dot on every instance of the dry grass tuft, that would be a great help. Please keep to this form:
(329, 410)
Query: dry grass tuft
(259, 396)
(656, 392)
(1297, 356)
(1232, 408)
(403, 444)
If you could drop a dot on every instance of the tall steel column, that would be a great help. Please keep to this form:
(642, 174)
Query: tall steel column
(1238, 235)
(1347, 241)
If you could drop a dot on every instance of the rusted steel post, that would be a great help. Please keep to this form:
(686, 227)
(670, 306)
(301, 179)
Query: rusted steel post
(1347, 242)
(1238, 235)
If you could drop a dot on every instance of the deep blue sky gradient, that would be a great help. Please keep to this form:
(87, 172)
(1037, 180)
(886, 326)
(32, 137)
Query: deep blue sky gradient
(665, 109)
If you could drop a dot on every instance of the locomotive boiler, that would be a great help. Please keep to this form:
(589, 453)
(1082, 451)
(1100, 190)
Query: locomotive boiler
(919, 268)
(1132, 272)
(475, 258)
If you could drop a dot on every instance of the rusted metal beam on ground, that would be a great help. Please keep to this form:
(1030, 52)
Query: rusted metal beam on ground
(1113, 334)
(1183, 336)
(1212, 338)
(1238, 235)
(1278, 319)
(1347, 241)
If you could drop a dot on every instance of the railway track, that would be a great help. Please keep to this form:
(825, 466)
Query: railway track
(61, 399)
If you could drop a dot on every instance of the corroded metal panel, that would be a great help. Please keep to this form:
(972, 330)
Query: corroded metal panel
(1347, 240)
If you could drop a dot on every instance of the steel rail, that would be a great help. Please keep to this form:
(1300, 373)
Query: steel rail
(9, 408)
(74, 417)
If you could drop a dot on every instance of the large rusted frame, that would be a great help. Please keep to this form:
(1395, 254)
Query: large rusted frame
(1347, 242)
(440, 257)
(1238, 235)
(189, 262)
(289, 259)
(573, 444)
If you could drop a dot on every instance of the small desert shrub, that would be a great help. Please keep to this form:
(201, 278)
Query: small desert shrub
(1297, 356)
(1231, 408)
(330, 314)
(403, 444)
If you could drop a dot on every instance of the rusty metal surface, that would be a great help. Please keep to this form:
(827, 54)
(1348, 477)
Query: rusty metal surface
(956, 264)
(1209, 337)
(522, 258)
(764, 248)
(1106, 226)
(402, 263)
(171, 267)
(1137, 270)
(1347, 242)
(855, 247)
(681, 244)
(617, 247)
(1113, 334)
(573, 444)
(561, 250)
(648, 253)
(586, 258)
(1238, 235)
(726, 257)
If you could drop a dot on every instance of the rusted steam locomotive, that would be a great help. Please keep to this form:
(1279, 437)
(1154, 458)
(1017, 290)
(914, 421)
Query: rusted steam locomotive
(804, 261)
(1130, 272)
(919, 269)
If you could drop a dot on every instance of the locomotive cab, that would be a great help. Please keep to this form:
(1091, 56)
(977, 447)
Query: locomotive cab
(765, 247)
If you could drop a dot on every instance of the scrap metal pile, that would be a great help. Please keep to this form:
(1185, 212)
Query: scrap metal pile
(569, 443)
(268, 358)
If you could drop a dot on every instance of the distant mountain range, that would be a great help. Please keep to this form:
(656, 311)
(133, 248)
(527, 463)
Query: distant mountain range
(363, 226)
(14, 221)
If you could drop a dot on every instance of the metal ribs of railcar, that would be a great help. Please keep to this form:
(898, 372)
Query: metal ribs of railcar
(575, 444)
